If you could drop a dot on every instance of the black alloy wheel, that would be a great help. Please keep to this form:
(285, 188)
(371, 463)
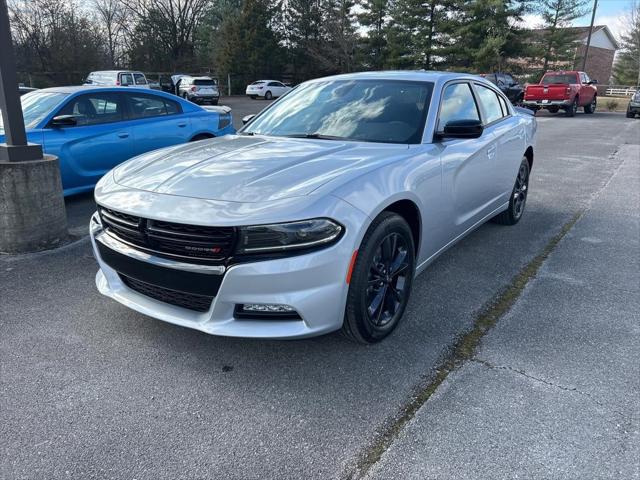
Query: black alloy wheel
(518, 199)
(381, 280)
(591, 108)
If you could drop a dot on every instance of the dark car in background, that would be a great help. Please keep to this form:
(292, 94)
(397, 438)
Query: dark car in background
(633, 108)
(507, 85)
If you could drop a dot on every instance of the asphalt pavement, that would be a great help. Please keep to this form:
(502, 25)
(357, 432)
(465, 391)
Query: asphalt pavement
(91, 389)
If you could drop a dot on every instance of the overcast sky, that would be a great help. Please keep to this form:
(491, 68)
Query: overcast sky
(610, 13)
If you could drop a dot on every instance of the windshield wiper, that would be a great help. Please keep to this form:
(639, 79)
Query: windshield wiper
(316, 135)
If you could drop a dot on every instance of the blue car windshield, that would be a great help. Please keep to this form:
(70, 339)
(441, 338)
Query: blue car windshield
(387, 111)
(37, 105)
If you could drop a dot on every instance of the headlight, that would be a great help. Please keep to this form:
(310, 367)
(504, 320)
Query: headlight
(288, 236)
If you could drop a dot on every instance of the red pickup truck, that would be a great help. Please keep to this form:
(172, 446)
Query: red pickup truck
(565, 90)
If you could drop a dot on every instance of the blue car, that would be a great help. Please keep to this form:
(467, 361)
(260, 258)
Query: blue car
(93, 129)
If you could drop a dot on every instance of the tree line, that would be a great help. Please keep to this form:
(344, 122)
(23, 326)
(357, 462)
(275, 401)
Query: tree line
(62, 40)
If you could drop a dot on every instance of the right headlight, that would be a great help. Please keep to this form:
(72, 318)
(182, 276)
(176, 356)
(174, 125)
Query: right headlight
(281, 237)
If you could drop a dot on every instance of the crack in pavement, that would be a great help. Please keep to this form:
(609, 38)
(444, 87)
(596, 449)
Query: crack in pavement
(492, 366)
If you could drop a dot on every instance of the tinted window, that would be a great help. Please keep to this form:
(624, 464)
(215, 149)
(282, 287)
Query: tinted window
(490, 104)
(94, 108)
(144, 106)
(364, 110)
(205, 82)
(457, 104)
(508, 79)
(140, 80)
(551, 79)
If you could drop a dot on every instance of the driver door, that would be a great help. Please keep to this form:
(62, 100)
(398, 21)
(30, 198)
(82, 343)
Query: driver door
(468, 165)
(100, 139)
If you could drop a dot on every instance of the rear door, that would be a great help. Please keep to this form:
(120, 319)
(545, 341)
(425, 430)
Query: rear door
(100, 140)
(156, 122)
(468, 165)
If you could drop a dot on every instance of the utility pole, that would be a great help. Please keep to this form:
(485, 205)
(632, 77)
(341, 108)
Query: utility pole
(586, 50)
(32, 212)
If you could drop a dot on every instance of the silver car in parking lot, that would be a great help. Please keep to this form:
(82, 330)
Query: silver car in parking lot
(319, 213)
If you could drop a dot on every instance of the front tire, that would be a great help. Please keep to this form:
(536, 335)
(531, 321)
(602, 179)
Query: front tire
(518, 199)
(592, 106)
(381, 280)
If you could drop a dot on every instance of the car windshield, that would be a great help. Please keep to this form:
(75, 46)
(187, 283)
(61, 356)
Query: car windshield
(259, 82)
(37, 105)
(556, 79)
(387, 111)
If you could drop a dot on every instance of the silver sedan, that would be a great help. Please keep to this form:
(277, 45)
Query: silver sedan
(320, 212)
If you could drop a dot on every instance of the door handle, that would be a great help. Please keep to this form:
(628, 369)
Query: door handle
(182, 125)
(123, 135)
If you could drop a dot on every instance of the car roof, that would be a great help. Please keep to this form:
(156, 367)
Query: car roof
(84, 88)
(411, 75)
(117, 71)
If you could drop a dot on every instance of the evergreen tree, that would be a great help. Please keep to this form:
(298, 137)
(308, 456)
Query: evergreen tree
(374, 18)
(626, 70)
(557, 42)
(487, 35)
(336, 50)
(303, 24)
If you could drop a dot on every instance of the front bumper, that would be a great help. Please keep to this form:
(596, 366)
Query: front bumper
(634, 108)
(547, 103)
(314, 284)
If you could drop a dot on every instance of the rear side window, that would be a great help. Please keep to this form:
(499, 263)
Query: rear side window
(489, 103)
(140, 80)
(145, 106)
(457, 104)
(95, 108)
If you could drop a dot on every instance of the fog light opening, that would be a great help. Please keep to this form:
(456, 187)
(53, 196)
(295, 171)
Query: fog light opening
(262, 311)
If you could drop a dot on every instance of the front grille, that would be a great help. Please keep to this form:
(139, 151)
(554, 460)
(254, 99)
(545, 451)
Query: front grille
(172, 239)
(198, 303)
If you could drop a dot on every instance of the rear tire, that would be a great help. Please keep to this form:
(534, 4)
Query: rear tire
(381, 280)
(518, 199)
(268, 95)
(592, 106)
(554, 109)
(573, 108)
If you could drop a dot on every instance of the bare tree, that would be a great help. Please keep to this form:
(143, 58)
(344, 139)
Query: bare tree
(111, 18)
(172, 23)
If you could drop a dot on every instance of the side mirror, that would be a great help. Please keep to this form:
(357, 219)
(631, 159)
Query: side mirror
(593, 82)
(462, 129)
(64, 121)
(247, 118)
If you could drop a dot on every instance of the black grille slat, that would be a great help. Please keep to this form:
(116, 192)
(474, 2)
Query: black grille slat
(198, 303)
(201, 243)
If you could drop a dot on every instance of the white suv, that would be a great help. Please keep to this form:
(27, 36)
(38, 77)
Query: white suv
(117, 78)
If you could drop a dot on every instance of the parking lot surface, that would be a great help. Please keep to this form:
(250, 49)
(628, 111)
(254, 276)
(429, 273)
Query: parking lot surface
(91, 389)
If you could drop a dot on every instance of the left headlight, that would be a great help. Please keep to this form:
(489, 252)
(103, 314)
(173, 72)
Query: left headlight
(280, 237)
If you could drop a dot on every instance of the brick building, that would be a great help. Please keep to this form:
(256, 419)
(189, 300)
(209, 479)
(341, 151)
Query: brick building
(602, 51)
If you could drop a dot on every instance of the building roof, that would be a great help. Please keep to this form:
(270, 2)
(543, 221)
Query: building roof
(582, 33)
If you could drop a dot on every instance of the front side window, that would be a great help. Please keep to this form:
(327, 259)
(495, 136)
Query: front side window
(457, 104)
(489, 103)
(140, 80)
(126, 79)
(386, 111)
(94, 109)
(145, 106)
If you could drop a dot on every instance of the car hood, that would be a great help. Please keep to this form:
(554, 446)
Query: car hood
(251, 169)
